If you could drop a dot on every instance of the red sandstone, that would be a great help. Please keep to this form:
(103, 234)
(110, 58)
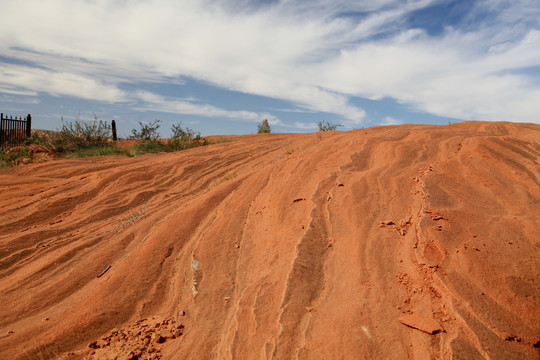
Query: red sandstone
(278, 246)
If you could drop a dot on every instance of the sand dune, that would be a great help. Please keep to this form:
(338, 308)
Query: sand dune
(399, 242)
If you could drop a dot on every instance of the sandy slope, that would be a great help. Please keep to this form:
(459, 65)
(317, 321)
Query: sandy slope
(310, 246)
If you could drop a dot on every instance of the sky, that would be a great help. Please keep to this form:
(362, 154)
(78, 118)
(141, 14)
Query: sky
(222, 66)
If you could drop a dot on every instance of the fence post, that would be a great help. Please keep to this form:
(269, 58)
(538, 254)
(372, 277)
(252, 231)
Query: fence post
(1, 130)
(28, 126)
(114, 131)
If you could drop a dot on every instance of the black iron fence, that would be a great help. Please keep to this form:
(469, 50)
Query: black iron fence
(13, 131)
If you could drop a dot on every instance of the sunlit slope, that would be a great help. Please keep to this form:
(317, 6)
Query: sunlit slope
(276, 246)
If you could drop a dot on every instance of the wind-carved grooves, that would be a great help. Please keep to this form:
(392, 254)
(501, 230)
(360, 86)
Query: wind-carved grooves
(306, 279)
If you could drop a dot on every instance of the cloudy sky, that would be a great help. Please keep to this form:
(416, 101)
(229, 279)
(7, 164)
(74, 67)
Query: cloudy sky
(221, 66)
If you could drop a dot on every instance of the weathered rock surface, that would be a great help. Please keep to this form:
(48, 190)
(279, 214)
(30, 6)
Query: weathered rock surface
(279, 246)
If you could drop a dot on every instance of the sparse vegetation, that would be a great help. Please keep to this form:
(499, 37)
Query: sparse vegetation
(179, 133)
(147, 131)
(149, 146)
(14, 156)
(328, 126)
(82, 133)
(263, 127)
(130, 219)
(74, 136)
(105, 150)
(183, 138)
(86, 138)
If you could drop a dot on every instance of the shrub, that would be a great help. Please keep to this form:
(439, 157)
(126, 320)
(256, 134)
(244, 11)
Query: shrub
(82, 134)
(263, 127)
(185, 134)
(45, 138)
(183, 138)
(147, 132)
(327, 126)
(74, 136)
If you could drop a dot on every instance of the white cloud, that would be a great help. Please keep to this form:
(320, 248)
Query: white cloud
(155, 102)
(17, 77)
(301, 111)
(317, 54)
(14, 91)
(10, 100)
(446, 76)
(305, 126)
(391, 121)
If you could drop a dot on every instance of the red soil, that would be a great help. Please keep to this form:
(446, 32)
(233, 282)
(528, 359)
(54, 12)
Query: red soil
(394, 242)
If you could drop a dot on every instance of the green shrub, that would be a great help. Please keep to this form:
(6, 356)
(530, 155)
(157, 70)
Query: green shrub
(147, 131)
(184, 134)
(178, 145)
(82, 134)
(184, 138)
(327, 126)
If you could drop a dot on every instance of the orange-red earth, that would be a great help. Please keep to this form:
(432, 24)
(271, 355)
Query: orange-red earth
(397, 242)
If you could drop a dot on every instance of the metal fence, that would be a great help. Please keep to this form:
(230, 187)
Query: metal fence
(13, 131)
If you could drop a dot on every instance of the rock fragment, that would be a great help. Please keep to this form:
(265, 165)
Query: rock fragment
(166, 334)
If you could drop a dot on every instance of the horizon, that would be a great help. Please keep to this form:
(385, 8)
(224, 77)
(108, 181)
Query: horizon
(222, 67)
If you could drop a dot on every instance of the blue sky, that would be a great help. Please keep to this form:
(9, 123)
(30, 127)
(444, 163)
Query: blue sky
(222, 66)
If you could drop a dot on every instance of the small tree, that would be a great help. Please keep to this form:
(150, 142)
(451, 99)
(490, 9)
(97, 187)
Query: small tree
(327, 126)
(147, 132)
(263, 127)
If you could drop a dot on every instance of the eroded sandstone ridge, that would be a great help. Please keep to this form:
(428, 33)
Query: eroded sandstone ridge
(394, 242)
